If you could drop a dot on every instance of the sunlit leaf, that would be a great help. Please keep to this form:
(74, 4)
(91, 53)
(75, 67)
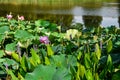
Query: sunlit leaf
(35, 57)
(47, 62)
(81, 70)
(94, 58)
(98, 51)
(97, 76)
(71, 33)
(109, 46)
(20, 76)
(87, 61)
(89, 75)
(10, 72)
(15, 56)
(109, 63)
(24, 63)
(49, 50)
(79, 55)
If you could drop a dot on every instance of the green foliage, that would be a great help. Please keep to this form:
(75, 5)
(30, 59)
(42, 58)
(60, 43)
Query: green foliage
(41, 72)
(83, 54)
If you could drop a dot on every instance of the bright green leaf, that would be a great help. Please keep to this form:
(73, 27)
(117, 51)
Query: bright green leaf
(2, 53)
(87, 61)
(35, 57)
(10, 72)
(4, 29)
(22, 34)
(98, 51)
(81, 70)
(109, 63)
(89, 75)
(1, 37)
(47, 62)
(109, 46)
(49, 50)
(24, 63)
(10, 47)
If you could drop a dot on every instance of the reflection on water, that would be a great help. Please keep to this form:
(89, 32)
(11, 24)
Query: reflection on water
(92, 21)
(89, 13)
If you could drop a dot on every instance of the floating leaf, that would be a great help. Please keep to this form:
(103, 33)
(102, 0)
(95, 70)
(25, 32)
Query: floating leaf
(4, 29)
(61, 74)
(2, 53)
(22, 34)
(41, 73)
(59, 60)
(42, 23)
(1, 37)
(10, 47)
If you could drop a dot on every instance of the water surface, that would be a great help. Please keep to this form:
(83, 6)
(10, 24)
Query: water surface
(90, 13)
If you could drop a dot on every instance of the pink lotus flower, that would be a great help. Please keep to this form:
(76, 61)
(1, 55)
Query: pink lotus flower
(21, 18)
(44, 39)
(9, 16)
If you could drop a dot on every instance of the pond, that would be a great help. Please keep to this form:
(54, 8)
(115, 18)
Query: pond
(88, 12)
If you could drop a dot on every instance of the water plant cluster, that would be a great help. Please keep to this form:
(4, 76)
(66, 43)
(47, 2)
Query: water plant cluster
(39, 50)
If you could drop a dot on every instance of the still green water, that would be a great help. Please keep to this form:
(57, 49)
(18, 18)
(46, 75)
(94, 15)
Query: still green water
(65, 12)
